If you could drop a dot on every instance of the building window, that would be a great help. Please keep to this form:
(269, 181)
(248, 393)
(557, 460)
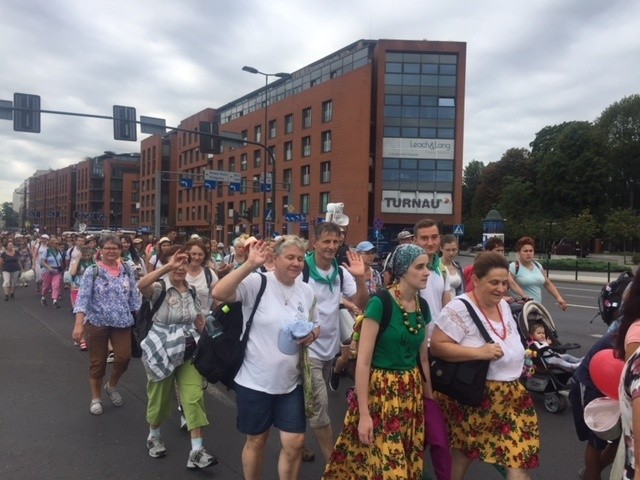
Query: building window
(327, 111)
(306, 118)
(232, 164)
(288, 151)
(286, 176)
(304, 203)
(258, 133)
(245, 135)
(257, 161)
(243, 185)
(325, 172)
(306, 146)
(288, 123)
(305, 175)
(324, 199)
(243, 161)
(326, 141)
(256, 208)
(272, 129)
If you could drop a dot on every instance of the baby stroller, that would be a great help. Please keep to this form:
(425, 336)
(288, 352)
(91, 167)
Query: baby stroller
(549, 380)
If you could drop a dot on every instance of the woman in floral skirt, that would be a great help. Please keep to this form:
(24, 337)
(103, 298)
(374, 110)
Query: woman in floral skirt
(383, 436)
(503, 430)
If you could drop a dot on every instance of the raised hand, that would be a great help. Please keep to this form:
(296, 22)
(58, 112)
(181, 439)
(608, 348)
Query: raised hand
(355, 266)
(258, 254)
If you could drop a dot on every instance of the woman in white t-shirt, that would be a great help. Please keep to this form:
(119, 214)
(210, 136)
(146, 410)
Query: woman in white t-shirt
(503, 430)
(449, 249)
(268, 385)
(199, 275)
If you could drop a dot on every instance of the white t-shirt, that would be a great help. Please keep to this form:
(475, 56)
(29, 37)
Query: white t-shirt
(327, 345)
(432, 293)
(74, 254)
(265, 368)
(203, 293)
(455, 322)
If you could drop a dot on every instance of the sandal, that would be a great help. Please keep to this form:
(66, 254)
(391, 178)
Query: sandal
(83, 345)
(307, 455)
(96, 407)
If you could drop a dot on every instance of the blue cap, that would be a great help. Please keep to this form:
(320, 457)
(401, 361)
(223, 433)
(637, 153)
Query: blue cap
(289, 336)
(365, 247)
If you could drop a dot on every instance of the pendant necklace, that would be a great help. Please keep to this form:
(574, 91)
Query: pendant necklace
(282, 290)
(504, 327)
(405, 316)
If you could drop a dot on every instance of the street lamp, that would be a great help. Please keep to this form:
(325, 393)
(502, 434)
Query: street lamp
(266, 148)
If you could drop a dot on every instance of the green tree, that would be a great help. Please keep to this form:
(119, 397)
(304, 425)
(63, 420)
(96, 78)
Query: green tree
(470, 182)
(619, 129)
(622, 225)
(9, 216)
(581, 228)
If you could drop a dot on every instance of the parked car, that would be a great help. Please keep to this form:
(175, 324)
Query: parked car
(478, 247)
(566, 246)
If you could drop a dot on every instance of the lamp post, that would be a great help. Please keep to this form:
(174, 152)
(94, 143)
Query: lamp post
(266, 148)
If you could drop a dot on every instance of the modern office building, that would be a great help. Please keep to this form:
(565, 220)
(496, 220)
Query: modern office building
(377, 125)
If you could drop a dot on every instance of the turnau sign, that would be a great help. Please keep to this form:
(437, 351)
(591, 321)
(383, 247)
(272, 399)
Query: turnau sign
(394, 201)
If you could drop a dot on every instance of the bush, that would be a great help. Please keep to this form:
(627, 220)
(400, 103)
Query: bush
(584, 265)
(635, 259)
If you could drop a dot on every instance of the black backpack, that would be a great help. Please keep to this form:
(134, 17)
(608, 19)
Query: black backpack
(220, 353)
(610, 297)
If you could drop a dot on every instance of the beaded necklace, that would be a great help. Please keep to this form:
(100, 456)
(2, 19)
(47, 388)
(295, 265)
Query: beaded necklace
(405, 316)
(504, 327)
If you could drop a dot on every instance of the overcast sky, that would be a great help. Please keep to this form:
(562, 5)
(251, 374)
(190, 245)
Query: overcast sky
(529, 64)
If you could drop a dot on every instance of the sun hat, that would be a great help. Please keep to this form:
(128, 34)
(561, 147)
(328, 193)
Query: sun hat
(220, 245)
(44, 235)
(137, 240)
(289, 335)
(164, 239)
(602, 416)
(365, 247)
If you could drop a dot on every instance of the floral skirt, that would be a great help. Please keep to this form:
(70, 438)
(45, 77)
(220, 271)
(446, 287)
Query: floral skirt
(503, 430)
(397, 410)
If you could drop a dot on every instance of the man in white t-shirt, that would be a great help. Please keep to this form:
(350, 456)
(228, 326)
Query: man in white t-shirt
(329, 287)
(438, 291)
(74, 254)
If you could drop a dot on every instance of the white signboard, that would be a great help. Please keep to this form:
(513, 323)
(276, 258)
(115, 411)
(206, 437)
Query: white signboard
(395, 201)
(434, 148)
(216, 175)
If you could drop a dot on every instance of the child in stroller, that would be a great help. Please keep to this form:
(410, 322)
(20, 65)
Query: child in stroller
(539, 342)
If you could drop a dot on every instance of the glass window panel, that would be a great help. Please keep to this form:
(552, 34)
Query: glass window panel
(445, 133)
(411, 111)
(445, 164)
(430, 58)
(448, 59)
(427, 164)
(427, 132)
(393, 89)
(390, 174)
(428, 100)
(429, 80)
(410, 100)
(408, 164)
(393, 67)
(426, 176)
(447, 69)
(430, 68)
(446, 112)
(391, 163)
(447, 81)
(444, 176)
(391, 131)
(393, 79)
(429, 112)
(412, 57)
(393, 57)
(392, 99)
(446, 102)
(392, 111)
(360, 63)
(411, 80)
(393, 121)
(409, 132)
(411, 68)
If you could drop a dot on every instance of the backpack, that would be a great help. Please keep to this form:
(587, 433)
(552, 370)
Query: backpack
(208, 277)
(610, 298)
(220, 351)
(517, 267)
(387, 309)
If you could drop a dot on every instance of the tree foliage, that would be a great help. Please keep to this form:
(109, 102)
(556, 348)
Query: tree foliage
(9, 216)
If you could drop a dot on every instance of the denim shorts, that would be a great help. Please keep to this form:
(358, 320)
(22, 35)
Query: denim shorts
(257, 411)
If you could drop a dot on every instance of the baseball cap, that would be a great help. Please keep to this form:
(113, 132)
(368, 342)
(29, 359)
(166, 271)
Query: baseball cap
(404, 234)
(44, 235)
(365, 247)
(289, 335)
(137, 240)
(220, 244)
(164, 239)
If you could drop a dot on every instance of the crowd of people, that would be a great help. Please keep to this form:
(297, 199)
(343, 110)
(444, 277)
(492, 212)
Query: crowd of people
(394, 414)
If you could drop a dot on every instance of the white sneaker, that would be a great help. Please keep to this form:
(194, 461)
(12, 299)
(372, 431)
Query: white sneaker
(201, 459)
(156, 447)
(96, 407)
(111, 357)
(114, 395)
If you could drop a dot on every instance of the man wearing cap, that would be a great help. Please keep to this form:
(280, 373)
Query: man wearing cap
(330, 282)
(405, 236)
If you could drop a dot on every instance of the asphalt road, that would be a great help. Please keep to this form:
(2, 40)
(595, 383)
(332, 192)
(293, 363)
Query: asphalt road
(46, 431)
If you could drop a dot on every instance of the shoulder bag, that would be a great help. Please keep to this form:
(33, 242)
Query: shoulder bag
(462, 381)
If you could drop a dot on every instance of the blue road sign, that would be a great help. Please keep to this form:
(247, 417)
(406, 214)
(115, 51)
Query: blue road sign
(235, 187)
(268, 215)
(458, 230)
(265, 187)
(186, 183)
(210, 184)
(295, 217)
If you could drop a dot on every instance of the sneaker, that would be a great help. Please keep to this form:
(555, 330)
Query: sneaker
(111, 357)
(55, 304)
(334, 379)
(200, 458)
(12, 296)
(96, 407)
(43, 302)
(114, 395)
(156, 447)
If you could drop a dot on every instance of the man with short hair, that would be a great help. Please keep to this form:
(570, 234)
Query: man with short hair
(325, 279)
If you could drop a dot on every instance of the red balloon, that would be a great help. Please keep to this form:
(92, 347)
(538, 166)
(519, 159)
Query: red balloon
(605, 371)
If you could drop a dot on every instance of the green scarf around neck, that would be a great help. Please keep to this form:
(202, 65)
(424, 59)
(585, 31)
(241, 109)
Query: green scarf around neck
(310, 258)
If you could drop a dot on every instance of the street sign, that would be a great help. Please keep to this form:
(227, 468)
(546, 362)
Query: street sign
(295, 217)
(210, 184)
(152, 125)
(458, 230)
(268, 215)
(186, 183)
(216, 175)
(28, 118)
(378, 223)
(235, 187)
(376, 234)
(124, 123)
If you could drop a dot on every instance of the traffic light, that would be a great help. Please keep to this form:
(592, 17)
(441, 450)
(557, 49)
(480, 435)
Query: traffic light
(220, 213)
(124, 123)
(208, 143)
(26, 116)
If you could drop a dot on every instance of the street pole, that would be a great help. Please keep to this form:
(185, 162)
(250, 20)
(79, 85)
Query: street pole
(267, 154)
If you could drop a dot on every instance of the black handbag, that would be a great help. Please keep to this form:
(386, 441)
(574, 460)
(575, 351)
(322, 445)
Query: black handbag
(462, 381)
